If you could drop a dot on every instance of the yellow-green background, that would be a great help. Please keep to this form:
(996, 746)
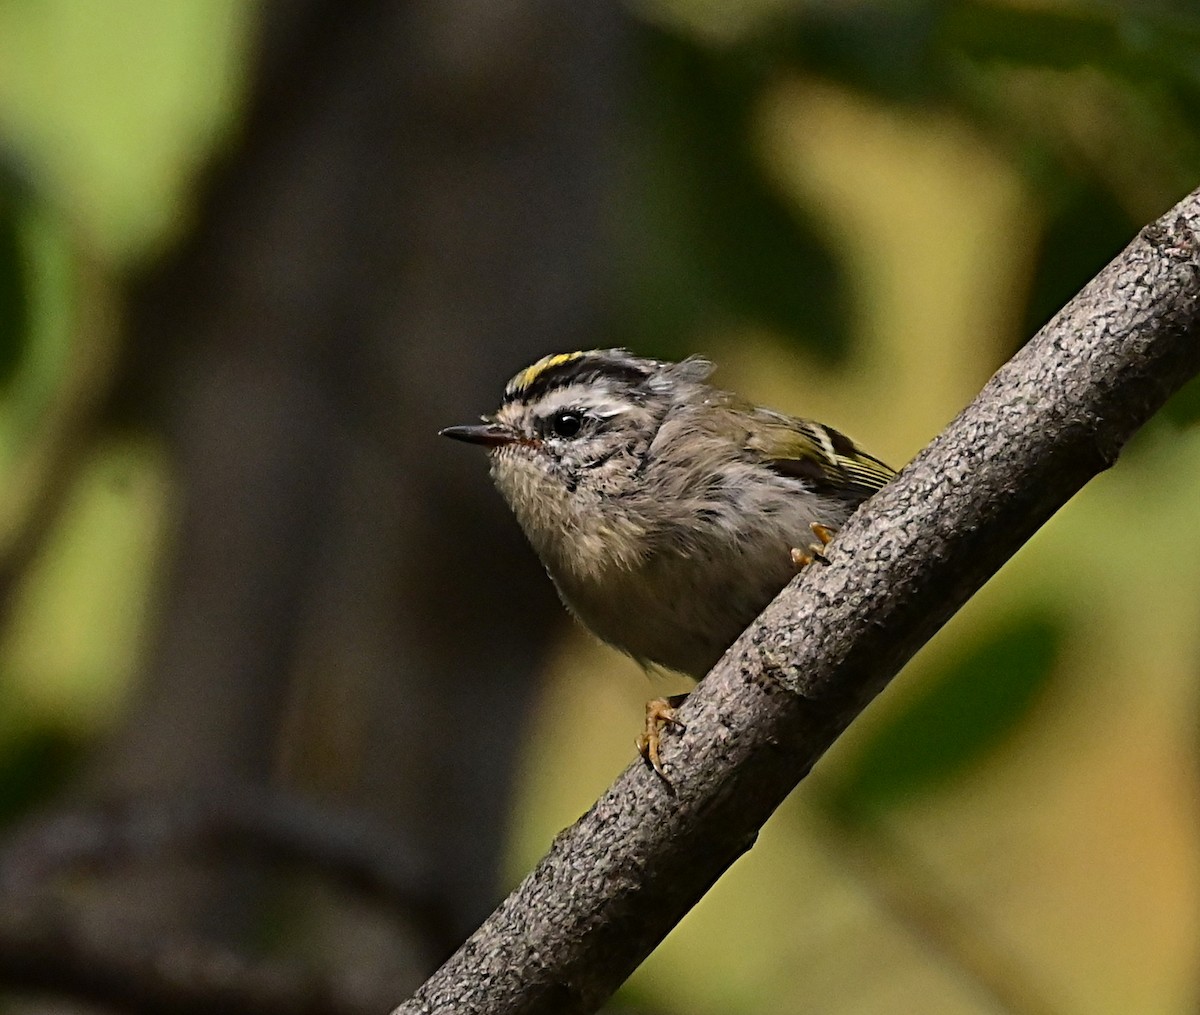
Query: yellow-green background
(1061, 859)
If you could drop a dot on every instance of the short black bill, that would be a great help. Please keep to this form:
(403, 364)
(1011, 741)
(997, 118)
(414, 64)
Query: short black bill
(490, 435)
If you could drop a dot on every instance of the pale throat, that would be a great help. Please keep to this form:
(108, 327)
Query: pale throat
(576, 536)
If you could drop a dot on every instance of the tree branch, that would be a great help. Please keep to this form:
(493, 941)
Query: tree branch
(53, 945)
(1058, 413)
(273, 825)
(49, 949)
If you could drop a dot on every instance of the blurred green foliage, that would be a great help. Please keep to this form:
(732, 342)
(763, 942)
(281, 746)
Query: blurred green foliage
(114, 108)
(712, 240)
(959, 714)
(107, 114)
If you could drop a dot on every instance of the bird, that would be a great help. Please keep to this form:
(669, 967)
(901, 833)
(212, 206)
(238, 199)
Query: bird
(667, 512)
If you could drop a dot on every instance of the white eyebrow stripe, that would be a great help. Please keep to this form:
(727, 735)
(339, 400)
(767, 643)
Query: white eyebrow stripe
(594, 400)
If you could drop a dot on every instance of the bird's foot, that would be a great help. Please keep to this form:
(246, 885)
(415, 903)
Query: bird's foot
(660, 713)
(814, 551)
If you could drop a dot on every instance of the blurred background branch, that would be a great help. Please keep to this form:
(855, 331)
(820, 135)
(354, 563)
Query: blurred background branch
(253, 255)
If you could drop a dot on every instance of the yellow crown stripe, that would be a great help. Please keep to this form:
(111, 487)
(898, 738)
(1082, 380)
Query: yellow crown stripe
(526, 378)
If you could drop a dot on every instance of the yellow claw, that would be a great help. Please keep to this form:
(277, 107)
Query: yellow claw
(815, 551)
(823, 532)
(800, 559)
(660, 713)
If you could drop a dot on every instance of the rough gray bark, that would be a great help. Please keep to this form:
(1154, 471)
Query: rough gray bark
(1058, 413)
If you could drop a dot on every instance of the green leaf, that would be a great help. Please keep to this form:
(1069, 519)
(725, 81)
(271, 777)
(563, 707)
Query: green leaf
(955, 719)
(708, 237)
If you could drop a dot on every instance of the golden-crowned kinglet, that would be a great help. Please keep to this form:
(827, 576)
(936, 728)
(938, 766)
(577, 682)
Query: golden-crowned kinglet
(667, 512)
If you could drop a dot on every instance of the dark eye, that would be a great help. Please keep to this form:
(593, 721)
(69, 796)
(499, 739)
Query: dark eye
(566, 422)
